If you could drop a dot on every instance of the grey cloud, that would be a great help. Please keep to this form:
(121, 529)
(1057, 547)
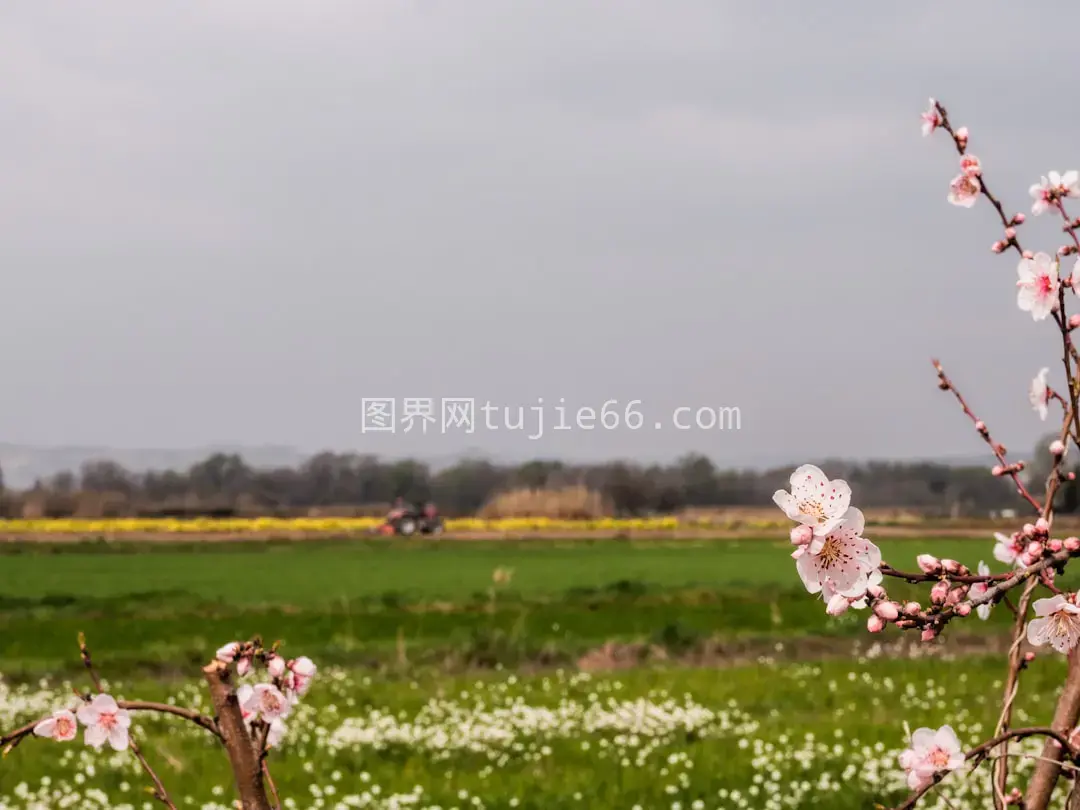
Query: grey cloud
(230, 221)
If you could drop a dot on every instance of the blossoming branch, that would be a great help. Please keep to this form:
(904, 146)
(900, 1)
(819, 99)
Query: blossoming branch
(249, 718)
(835, 560)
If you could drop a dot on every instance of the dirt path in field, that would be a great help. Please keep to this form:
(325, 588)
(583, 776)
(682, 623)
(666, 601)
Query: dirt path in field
(613, 657)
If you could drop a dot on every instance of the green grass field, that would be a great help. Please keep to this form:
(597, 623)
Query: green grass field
(436, 681)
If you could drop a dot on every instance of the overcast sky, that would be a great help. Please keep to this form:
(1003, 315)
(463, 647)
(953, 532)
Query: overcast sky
(231, 221)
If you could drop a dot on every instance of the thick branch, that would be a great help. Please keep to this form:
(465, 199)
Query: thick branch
(1066, 714)
(242, 753)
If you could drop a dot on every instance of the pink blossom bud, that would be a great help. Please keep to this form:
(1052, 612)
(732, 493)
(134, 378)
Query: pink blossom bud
(963, 610)
(997, 247)
(951, 566)
(1029, 656)
(912, 609)
(227, 653)
(1055, 545)
(1072, 543)
(243, 666)
(962, 133)
(1071, 476)
(837, 605)
(1027, 254)
(875, 624)
(876, 592)
(802, 535)
(276, 666)
(1026, 559)
(939, 592)
(1010, 233)
(929, 634)
(928, 563)
(980, 426)
(997, 470)
(1057, 447)
(1034, 549)
(1019, 218)
(956, 595)
(1042, 527)
(1028, 530)
(1074, 320)
(889, 611)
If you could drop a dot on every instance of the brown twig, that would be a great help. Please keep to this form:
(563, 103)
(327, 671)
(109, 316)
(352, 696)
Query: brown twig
(160, 793)
(999, 452)
(10, 740)
(980, 752)
(965, 579)
(270, 782)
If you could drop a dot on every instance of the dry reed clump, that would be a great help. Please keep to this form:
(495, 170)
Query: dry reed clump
(564, 503)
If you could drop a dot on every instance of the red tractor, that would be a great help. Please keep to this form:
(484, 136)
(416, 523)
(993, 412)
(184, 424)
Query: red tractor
(405, 520)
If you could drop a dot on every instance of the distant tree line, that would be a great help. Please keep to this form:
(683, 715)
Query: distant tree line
(347, 483)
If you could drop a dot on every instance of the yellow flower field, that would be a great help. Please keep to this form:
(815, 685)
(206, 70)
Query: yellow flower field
(342, 525)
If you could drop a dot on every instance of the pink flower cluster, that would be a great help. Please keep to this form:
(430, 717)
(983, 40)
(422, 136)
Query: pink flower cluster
(102, 718)
(931, 753)
(271, 702)
(832, 558)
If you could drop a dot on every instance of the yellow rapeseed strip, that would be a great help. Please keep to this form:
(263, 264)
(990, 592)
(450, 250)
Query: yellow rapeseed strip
(345, 525)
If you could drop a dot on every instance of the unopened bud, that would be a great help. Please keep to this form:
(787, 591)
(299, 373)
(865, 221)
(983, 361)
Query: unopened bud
(956, 595)
(889, 611)
(1019, 218)
(1029, 656)
(997, 470)
(929, 634)
(875, 624)
(1072, 543)
(928, 563)
(1034, 549)
(276, 666)
(980, 426)
(963, 610)
(1042, 527)
(876, 592)
(1055, 545)
(837, 605)
(951, 566)
(1027, 254)
(912, 609)
(962, 133)
(1010, 233)
(1028, 530)
(802, 535)
(1074, 320)
(939, 593)
(997, 247)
